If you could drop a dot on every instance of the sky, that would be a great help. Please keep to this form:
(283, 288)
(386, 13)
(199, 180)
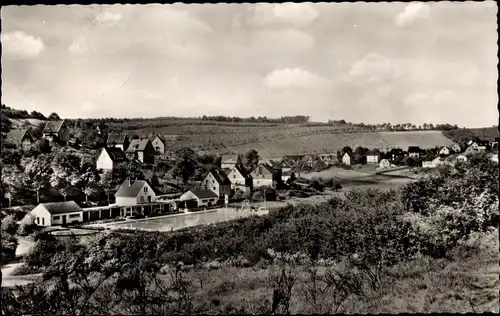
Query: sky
(363, 62)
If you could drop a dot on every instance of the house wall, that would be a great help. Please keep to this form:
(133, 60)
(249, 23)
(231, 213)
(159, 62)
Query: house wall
(225, 165)
(262, 182)
(140, 156)
(207, 202)
(142, 196)
(159, 146)
(125, 201)
(63, 134)
(427, 164)
(372, 159)
(26, 144)
(75, 217)
(104, 161)
(41, 216)
(385, 164)
(346, 160)
(414, 155)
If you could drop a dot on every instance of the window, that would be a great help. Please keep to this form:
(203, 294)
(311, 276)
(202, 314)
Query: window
(56, 218)
(38, 220)
(142, 199)
(234, 176)
(260, 170)
(43, 220)
(74, 216)
(213, 181)
(214, 188)
(145, 189)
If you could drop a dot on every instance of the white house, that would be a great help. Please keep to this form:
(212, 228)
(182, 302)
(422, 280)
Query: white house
(57, 213)
(218, 182)
(239, 178)
(373, 157)
(136, 192)
(444, 151)
(158, 144)
(384, 164)
(202, 197)
(110, 158)
(494, 158)
(346, 159)
(264, 175)
(229, 161)
(461, 158)
(456, 148)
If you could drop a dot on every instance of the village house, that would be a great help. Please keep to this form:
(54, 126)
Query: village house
(414, 152)
(293, 160)
(434, 163)
(57, 213)
(384, 164)
(444, 151)
(461, 158)
(218, 182)
(285, 165)
(396, 154)
(456, 148)
(478, 145)
(142, 150)
(373, 156)
(328, 159)
(229, 161)
(134, 192)
(118, 140)
(265, 175)
(309, 160)
(200, 197)
(346, 159)
(20, 138)
(158, 144)
(110, 158)
(56, 132)
(494, 143)
(239, 178)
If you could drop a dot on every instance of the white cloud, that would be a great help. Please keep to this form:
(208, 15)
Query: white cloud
(413, 12)
(294, 78)
(107, 16)
(288, 14)
(370, 69)
(19, 45)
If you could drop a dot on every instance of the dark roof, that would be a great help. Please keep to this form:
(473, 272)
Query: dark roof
(17, 135)
(137, 145)
(373, 152)
(116, 154)
(130, 189)
(116, 138)
(204, 194)
(396, 150)
(62, 207)
(413, 149)
(53, 126)
(219, 176)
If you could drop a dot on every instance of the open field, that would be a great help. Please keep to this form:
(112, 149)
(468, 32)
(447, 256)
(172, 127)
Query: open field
(333, 142)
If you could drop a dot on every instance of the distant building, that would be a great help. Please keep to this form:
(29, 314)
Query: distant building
(218, 182)
(110, 158)
(58, 213)
(414, 152)
(202, 197)
(346, 159)
(118, 140)
(285, 165)
(444, 151)
(136, 192)
(456, 148)
(239, 178)
(373, 157)
(56, 132)
(20, 138)
(461, 158)
(265, 175)
(396, 154)
(158, 144)
(328, 159)
(142, 150)
(229, 161)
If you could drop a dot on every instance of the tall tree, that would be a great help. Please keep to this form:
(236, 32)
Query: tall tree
(108, 183)
(251, 160)
(185, 166)
(37, 174)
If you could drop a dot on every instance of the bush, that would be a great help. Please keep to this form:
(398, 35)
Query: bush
(9, 225)
(9, 246)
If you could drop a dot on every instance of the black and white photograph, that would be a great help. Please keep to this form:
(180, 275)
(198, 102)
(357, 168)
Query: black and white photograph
(249, 158)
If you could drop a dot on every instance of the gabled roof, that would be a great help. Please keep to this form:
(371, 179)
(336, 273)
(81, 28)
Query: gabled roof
(152, 138)
(373, 152)
(266, 166)
(204, 194)
(137, 145)
(53, 126)
(241, 171)
(293, 158)
(116, 138)
(62, 207)
(131, 188)
(271, 163)
(219, 176)
(396, 150)
(227, 170)
(348, 154)
(116, 154)
(229, 158)
(17, 135)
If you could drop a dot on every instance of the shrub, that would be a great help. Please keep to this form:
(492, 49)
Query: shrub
(9, 246)
(9, 225)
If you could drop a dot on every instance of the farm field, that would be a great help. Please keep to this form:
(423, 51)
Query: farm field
(336, 141)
